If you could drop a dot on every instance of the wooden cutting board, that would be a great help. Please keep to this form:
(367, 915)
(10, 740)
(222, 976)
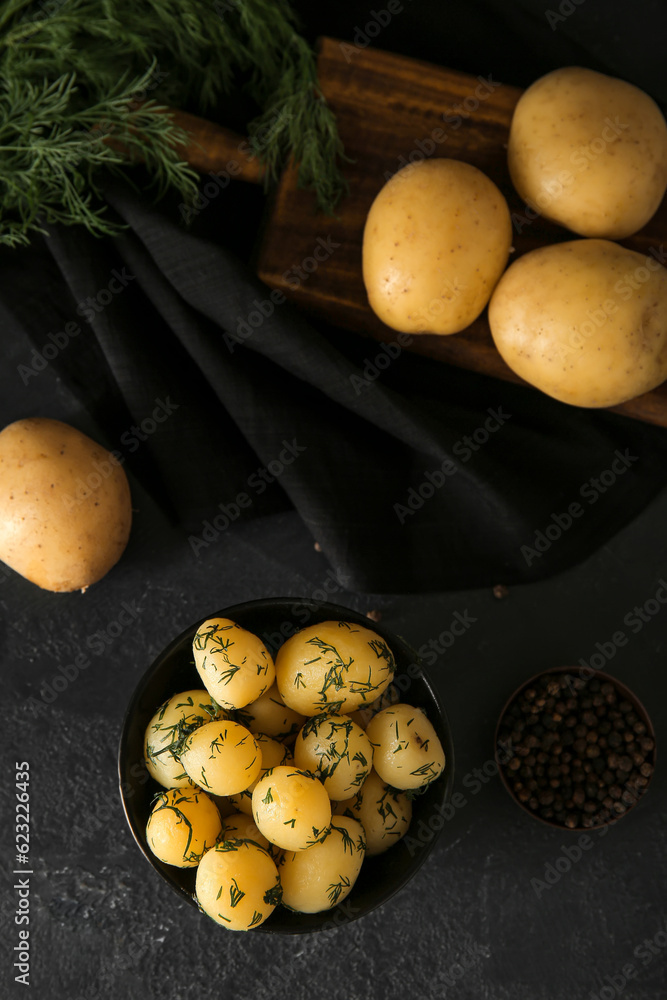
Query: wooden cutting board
(390, 110)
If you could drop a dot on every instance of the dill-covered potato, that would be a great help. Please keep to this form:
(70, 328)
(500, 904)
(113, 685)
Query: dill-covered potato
(337, 751)
(273, 754)
(65, 507)
(291, 808)
(270, 715)
(406, 750)
(384, 812)
(323, 876)
(177, 717)
(240, 826)
(223, 757)
(238, 884)
(333, 667)
(235, 666)
(183, 824)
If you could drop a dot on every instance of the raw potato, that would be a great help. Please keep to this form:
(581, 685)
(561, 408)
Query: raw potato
(291, 808)
(384, 812)
(273, 754)
(436, 241)
(337, 751)
(406, 750)
(235, 666)
(589, 151)
(222, 757)
(584, 321)
(183, 824)
(238, 885)
(65, 509)
(185, 710)
(334, 667)
(269, 715)
(324, 875)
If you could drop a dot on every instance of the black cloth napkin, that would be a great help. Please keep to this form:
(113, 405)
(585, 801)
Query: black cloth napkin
(411, 475)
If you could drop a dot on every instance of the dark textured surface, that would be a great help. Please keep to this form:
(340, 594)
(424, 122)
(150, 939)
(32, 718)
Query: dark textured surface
(102, 922)
(103, 925)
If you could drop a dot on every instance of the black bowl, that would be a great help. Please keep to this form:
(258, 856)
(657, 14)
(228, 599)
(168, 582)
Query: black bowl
(274, 619)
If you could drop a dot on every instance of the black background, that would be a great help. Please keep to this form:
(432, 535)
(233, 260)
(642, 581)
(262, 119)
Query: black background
(104, 925)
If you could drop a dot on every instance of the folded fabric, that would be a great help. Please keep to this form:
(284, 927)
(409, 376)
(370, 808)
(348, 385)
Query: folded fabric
(413, 476)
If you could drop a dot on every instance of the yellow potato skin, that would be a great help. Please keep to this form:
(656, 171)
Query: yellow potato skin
(333, 667)
(188, 707)
(273, 755)
(589, 151)
(184, 823)
(235, 666)
(222, 757)
(269, 715)
(238, 884)
(65, 508)
(567, 319)
(291, 808)
(436, 241)
(324, 875)
(384, 812)
(337, 751)
(406, 750)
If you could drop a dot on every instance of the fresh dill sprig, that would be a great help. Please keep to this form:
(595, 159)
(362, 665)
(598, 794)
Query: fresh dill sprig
(86, 86)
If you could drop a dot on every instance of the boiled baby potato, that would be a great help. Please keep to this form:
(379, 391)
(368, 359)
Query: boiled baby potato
(406, 750)
(436, 240)
(174, 719)
(324, 875)
(268, 714)
(239, 826)
(238, 884)
(291, 808)
(589, 151)
(333, 667)
(584, 321)
(235, 665)
(65, 510)
(222, 757)
(337, 751)
(183, 824)
(384, 812)
(273, 755)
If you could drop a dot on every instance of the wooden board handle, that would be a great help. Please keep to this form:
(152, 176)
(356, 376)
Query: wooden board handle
(212, 148)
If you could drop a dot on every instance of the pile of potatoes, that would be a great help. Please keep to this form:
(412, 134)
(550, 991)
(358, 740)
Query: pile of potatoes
(585, 321)
(280, 778)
